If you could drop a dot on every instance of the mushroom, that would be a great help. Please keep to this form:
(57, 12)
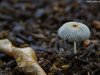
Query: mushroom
(25, 57)
(74, 32)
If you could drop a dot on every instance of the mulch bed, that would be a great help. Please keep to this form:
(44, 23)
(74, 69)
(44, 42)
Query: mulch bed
(35, 23)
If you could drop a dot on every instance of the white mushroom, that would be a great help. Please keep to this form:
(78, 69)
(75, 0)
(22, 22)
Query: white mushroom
(74, 32)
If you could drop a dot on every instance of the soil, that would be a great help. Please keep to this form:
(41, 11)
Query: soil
(35, 23)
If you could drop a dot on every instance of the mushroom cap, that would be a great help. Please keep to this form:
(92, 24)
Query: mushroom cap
(74, 32)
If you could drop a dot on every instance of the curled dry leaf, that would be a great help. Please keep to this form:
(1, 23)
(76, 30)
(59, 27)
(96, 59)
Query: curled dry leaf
(25, 57)
(96, 24)
(86, 43)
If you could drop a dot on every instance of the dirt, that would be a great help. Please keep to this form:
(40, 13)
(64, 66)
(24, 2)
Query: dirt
(35, 23)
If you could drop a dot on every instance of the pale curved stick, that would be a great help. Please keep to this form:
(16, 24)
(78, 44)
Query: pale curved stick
(25, 57)
(6, 46)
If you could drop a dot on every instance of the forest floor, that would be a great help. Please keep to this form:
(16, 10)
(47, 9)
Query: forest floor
(35, 24)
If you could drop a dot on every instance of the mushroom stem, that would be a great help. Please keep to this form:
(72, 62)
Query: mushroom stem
(88, 73)
(75, 51)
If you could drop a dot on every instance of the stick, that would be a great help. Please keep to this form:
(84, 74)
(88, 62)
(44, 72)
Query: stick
(25, 57)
